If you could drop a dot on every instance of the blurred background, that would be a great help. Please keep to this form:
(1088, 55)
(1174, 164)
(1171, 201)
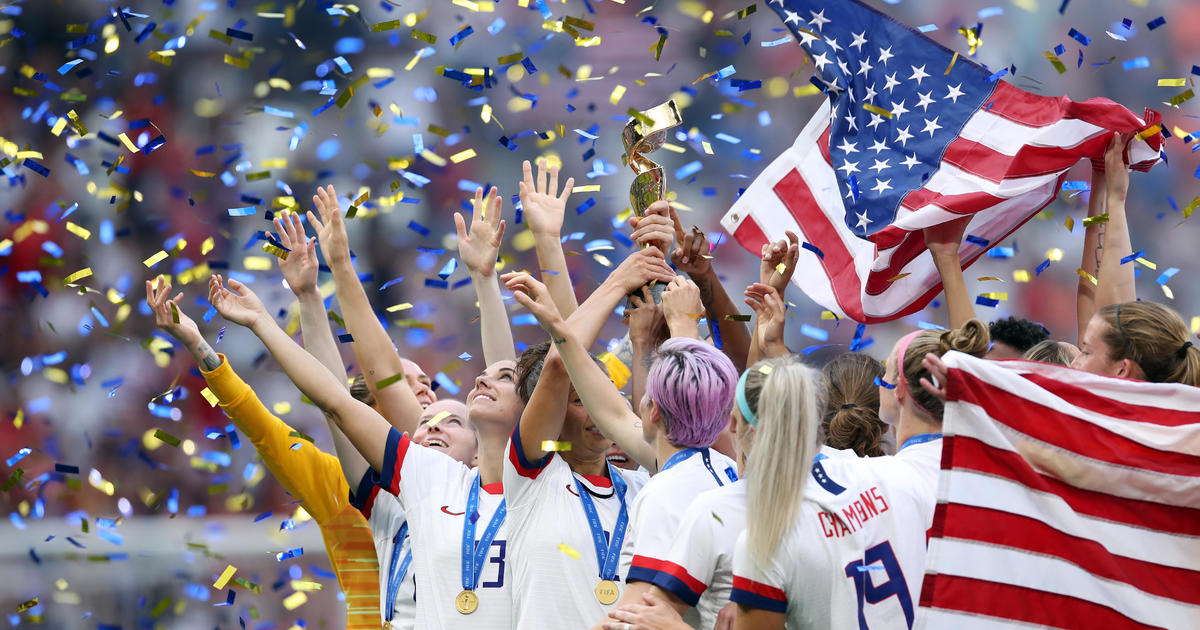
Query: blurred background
(238, 109)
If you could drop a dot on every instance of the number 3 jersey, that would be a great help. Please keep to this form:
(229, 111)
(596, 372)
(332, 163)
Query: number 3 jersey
(432, 488)
(855, 559)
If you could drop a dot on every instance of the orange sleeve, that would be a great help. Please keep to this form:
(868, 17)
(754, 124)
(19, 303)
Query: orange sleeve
(309, 474)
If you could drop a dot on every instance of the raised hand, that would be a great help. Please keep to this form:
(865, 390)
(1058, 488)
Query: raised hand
(769, 308)
(479, 248)
(784, 252)
(167, 314)
(300, 267)
(237, 303)
(331, 229)
(1116, 173)
(691, 253)
(640, 268)
(542, 204)
(534, 296)
(655, 229)
(643, 316)
(682, 307)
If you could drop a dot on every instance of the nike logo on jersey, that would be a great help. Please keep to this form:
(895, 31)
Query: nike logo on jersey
(571, 489)
(446, 509)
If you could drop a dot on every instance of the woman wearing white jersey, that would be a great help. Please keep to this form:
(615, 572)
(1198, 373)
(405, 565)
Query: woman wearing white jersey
(843, 546)
(689, 392)
(455, 513)
(568, 506)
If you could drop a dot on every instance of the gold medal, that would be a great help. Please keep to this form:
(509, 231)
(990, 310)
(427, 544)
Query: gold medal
(607, 592)
(467, 602)
(387, 625)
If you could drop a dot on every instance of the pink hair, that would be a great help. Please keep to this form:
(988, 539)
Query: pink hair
(693, 385)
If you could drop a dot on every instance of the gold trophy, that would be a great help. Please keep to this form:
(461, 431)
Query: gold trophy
(646, 132)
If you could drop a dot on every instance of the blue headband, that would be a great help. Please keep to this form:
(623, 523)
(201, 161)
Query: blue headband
(744, 406)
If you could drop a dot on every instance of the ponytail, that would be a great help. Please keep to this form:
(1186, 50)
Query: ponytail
(784, 445)
(851, 416)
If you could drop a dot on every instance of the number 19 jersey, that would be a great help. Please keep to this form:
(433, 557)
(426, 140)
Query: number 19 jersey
(855, 558)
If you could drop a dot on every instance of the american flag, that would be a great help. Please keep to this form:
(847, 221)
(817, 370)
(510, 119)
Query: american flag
(1066, 500)
(911, 136)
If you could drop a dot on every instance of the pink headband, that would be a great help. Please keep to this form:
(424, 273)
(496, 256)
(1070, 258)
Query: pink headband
(901, 350)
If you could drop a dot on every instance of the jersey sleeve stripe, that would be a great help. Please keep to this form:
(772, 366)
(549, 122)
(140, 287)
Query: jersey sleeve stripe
(363, 497)
(668, 576)
(393, 460)
(756, 595)
(516, 454)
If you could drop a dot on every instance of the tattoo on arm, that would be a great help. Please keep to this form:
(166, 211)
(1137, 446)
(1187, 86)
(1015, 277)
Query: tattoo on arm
(207, 357)
(558, 340)
(1099, 246)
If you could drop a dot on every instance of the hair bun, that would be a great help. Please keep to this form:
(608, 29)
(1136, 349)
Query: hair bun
(973, 339)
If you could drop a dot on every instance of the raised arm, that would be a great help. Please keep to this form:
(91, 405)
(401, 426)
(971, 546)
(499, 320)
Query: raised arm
(775, 271)
(300, 272)
(604, 403)
(478, 251)
(692, 256)
(943, 241)
(1114, 281)
(372, 346)
(307, 473)
(636, 271)
(365, 428)
(544, 415)
(1093, 246)
(770, 315)
(645, 321)
(543, 208)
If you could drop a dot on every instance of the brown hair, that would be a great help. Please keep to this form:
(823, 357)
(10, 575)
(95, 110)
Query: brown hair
(972, 339)
(360, 391)
(1155, 338)
(1048, 351)
(850, 419)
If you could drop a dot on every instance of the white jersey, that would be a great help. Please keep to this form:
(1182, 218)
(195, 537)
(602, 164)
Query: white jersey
(657, 512)
(699, 567)
(856, 556)
(432, 488)
(552, 556)
(389, 528)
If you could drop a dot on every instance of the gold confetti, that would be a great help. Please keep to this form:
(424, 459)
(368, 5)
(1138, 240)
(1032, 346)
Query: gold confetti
(462, 156)
(209, 396)
(875, 109)
(438, 417)
(1087, 276)
(78, 230)
(399, 307)
(78, 275)
(616, 95)
(1172, 82)
(295, 600)
(565, 548)
(1191, 207)
(207, 245)
(1069, 223)
(552, 445)
(155, 259)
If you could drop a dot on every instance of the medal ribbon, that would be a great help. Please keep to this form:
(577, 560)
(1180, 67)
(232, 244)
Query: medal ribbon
(608, 553)
(397, 572)
(474, 553)
(919, 438)
(688, 452)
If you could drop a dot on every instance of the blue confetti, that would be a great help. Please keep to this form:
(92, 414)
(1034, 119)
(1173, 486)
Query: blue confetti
(1042, 267)
(1137, 62)
(1166, 275)
(814, 332)
(1156, 22)
(1079, 37)
(814, 249)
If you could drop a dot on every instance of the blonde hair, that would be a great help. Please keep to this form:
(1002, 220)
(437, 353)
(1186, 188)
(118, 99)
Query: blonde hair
(784, 445)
